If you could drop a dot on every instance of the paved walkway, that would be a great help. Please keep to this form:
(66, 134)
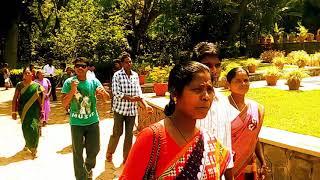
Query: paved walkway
(54, 152)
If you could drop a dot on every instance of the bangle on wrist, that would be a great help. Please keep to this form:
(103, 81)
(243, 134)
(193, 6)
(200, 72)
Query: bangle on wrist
(14, 113)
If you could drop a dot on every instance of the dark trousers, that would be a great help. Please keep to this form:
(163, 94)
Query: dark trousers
(119, 120)
(53, 88)
(85, 137)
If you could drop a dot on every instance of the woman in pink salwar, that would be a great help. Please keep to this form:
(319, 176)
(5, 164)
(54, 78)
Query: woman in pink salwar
(47, 86)
(245, 128)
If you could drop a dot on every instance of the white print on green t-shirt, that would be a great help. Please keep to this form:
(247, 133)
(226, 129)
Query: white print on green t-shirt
(84, 104)
(82, 116)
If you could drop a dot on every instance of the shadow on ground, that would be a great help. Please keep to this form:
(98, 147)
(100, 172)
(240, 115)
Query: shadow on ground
(65, 150)
(19, 156)
(110, 172)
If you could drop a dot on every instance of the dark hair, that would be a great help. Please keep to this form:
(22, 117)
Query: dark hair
(81, 59)
(5, 64)
(25, 68)
(180, 76)
(37, 73)
(204, 49)
(123, 56)
(232, 73)
(90, 64)
(116, 61)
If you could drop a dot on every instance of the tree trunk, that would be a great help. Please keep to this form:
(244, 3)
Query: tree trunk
(11, 44)
(237, 21)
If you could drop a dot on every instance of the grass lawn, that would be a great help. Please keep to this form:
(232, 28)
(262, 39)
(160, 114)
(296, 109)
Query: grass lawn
(294, 111)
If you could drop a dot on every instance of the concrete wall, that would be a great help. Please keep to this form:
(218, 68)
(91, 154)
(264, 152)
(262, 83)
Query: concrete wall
(288, 164)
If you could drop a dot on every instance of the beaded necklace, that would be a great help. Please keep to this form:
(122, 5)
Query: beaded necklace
(234, 102)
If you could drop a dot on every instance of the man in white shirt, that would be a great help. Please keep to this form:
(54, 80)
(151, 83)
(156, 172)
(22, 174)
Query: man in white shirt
(219, 118)
(90, 72)
(49, 72)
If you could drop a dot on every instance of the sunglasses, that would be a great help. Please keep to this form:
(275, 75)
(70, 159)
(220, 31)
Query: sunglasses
(80, 65)
(218, 65)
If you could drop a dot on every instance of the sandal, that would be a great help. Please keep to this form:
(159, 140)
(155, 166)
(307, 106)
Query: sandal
(33, 153)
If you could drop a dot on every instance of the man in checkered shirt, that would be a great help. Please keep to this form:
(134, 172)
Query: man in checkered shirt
(127, 93)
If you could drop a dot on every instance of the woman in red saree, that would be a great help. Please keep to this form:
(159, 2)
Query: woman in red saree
(174, 148)
(245, 128)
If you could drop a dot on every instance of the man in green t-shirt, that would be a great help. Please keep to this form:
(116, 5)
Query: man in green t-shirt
(79, 93)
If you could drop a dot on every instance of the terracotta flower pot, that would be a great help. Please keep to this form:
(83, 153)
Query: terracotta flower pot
(292, 38)
(252, 68)
(272, 80)
(142, 79)
(160, 88)
(262, 40)
(310, 37)
(279, 65)
(293, 84)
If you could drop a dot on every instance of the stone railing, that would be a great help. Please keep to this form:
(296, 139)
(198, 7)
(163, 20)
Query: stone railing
(291, 156)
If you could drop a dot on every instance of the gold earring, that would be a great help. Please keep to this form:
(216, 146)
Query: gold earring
(175, 100)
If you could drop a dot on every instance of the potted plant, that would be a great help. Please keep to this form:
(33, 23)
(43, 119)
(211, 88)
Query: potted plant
(303, 32)
(269, 39)
(294, 78)
(272, 75)
(318, 35)
(252, 64)
(279, 61)
(143, 70)
(310, 37)
(262, 39)
(159, 76)
(300, 58)
(277, 33)
(292, 37)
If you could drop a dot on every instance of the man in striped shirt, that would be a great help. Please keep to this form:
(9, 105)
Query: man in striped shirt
(127, 93)
(221, 114)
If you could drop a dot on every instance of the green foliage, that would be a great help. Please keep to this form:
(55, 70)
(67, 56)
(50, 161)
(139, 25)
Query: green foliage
(252, 62)
(16, 71)
(227, 66)
(160, 74)
(279, 60)
(296, 74)
(302, 30)
(142, 68)
(300, 58)
(272, 71)
(84, 32)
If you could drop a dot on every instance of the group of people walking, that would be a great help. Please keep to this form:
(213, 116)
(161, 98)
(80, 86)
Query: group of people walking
(205, 134)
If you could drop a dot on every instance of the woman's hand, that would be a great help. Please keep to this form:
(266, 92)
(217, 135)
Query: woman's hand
(263, 171)
(47, 96)
(14, 115)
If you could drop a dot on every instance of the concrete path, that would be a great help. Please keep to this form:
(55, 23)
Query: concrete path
(54, 159)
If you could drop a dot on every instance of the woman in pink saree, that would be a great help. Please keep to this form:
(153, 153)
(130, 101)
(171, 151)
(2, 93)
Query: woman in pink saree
(175, 148)
(245, 128)
(44, 82)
